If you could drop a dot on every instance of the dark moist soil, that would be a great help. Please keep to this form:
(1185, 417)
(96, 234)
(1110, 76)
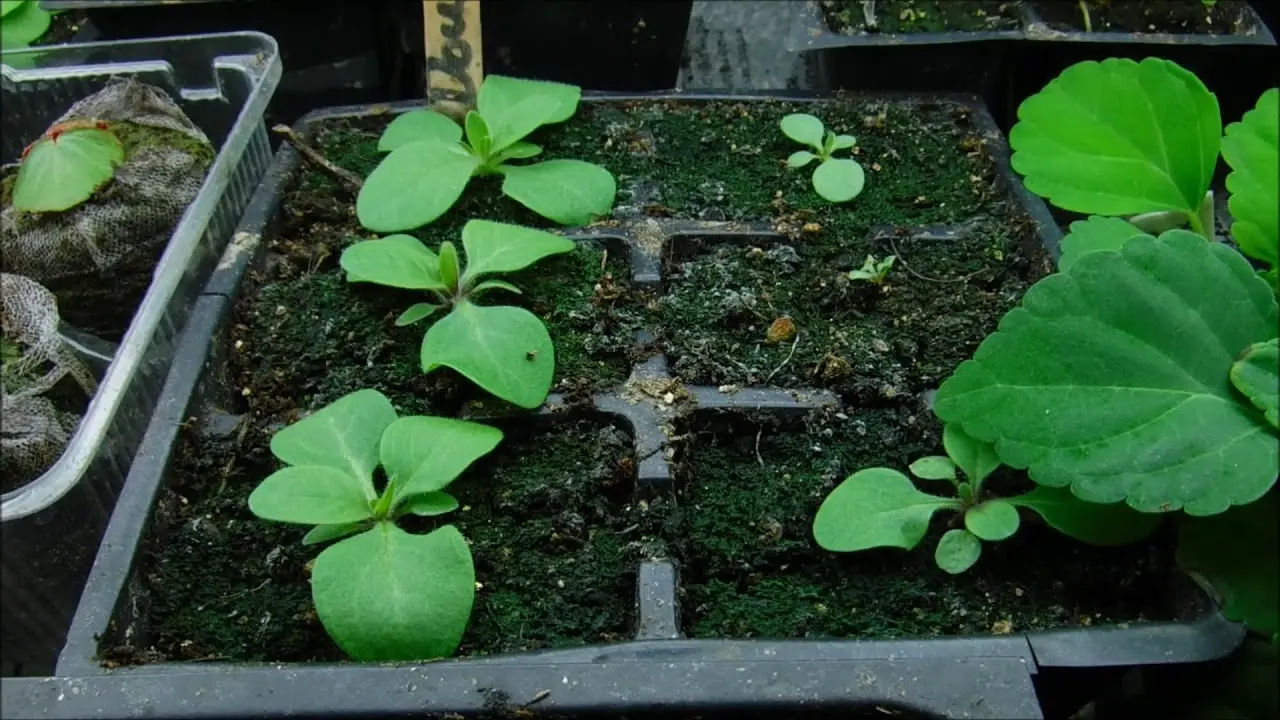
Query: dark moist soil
(552, 530)
(62, 28)
(1228, 17)
(894, 17)
(748, 492)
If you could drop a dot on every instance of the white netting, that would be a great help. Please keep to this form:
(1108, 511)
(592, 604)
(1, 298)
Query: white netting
(119, 233)
(35, 360)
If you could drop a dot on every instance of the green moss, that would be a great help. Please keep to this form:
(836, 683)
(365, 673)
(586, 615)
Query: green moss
(548, 508)
(922, 16)
(135, 137)
(750, 568)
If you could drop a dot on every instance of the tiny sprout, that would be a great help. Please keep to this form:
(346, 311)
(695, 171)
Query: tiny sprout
(874, 271)
(836, 179)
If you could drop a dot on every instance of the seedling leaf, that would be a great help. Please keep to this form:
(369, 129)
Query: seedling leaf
(1252, 149)
(423, 454)
(418, 125)
(1092, 235)
(1093, 523)
(957, 551)
(934, 467)
(976, 458)
(803, 128)
(1113, 379)
(515, 107)
(386, 595)
(430, 504)
(477, 133)
(325, 533)
(1235, 553)
(399, 261)
(844, 141)
(58, 174)
(839, 180)
(494, 247)
(800, 158)
(570, 192)
(343, 435)
(416, 312)
(24, 23)
(310, 495)
(1255, 374)
(505, 350)
(875, 507)
(414, 185)
(992, 520)
(1119, 138)
(520, 151)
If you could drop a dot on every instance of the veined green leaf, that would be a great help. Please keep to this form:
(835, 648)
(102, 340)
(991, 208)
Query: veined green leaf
(957, 551)
(414, 185)
(385, 595)
(803, 128)
(310, 495)
(58, 174)
(1119, 138)
(934, 467)
(399, 261)
(430, 504)
(875, 507)
(1235, 553)
(343, 435)
(1252, 149)
(24, 23)
(416, 312)
(418, 125)
(570, 192)
(1113, 379)
(519, 151)
(494, 247)
(1092, 235)
(505, 350)
(992, 520)
(325, 533)
(423, 454)
(515, 107)
(800, 158)
(1106, 525)
(1256, 375)
(976, 458)
(839, 180)
(477, 134)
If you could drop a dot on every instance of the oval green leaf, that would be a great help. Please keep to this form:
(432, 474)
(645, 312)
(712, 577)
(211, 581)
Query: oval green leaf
(310, 495)
(423, 454)
(515, 107)
(59, 174)
(1094, 235)
(1114, 379)
(1252, 148)
(520, 151)
(477, 134)
(934, 467)
(992, 520)
(803, 128)
(385, 595)
(494, 247)
(570, 192)
(844, 141)
(875, 507)
(416, 312)
(1119, 138)
(24, 23)
(414, 185)
(976, 458)
(487, 285)
(430, 504)
(399, 261)
(325, 533)
(1105, 525)
(505, 350)
(957, 551)
(1256, 374)
(343, 435)
(839, 180)
(800, 158)
(418, 125)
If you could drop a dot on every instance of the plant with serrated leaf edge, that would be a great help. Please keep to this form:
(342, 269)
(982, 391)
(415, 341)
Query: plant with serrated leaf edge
(382, 594)
(504, 349)
(881, 507)
(1141, 139)
(66, 166)
(835, 179)
(430, 165)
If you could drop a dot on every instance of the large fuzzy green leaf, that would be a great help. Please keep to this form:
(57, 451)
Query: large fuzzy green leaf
(1106, 525)
(1236, 554)
(414, 185)
(311, 495)
(876, 507)
(514, 107)
(494, 247)
(62, 172)
(342, 435)
(385, 595)
(1119, 138)
(1113, 378)
(1092, 235)
(418, 125)
(424, 454)
(505, 350)
(1256, 375)
(570, 192)
(399, 261)
(1252, 148)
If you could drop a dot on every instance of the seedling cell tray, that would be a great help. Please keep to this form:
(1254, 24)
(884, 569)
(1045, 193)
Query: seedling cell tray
(636, 464)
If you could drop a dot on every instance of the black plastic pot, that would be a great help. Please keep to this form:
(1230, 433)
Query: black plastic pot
(1008, 66)
(996, 676)
(616, 46)
(334, 54)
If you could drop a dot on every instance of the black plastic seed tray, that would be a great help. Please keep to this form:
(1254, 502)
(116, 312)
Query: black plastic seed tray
(993, 676)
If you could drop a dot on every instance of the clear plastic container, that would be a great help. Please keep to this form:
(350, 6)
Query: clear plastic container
(51, 527)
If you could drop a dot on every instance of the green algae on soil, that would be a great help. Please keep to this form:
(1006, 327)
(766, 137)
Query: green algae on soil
(893, 17)
(548, 516)
(1178, 17)
(747, 493)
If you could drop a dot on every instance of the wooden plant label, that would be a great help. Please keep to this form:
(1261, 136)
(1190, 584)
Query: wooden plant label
(454, 55)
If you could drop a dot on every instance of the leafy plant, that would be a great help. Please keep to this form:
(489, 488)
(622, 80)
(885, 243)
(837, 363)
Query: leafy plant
(1141, 139)
(430, 164)
(382, 594)
(880, 507)
(66, 166)
(22, 22)
(836, 179)
(874, 271)
(505, 350)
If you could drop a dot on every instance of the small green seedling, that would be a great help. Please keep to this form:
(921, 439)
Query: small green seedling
(881, 507)
(66, 166)
(430, 164)
(874, 271)
(382, 594)
(836, 179)
(22, 22)
(505, 350)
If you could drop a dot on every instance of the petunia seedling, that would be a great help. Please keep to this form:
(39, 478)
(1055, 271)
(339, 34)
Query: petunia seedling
(874, 271)
(881, 507)
(504, 349)
(430, 164)
(383, 594)
(66, 166)
(836, 179)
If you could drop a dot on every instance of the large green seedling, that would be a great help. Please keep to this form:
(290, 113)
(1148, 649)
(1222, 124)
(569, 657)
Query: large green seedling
(1141, 139)
(505, 350)
(836, 179)
(383, 594)
(880, 507)
(430, 164)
